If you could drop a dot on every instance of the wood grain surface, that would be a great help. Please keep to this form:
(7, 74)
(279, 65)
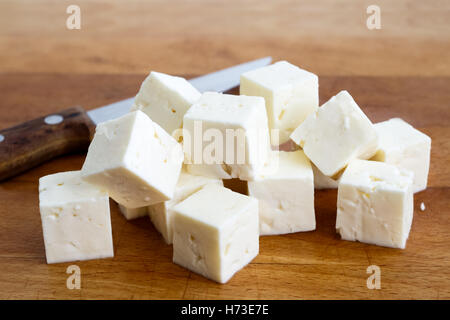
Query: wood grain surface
(402, 70)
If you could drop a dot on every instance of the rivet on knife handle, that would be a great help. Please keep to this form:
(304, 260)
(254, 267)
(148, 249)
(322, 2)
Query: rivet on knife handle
(31, 143)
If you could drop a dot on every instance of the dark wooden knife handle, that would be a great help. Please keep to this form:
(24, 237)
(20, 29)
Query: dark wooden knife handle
(31, 143)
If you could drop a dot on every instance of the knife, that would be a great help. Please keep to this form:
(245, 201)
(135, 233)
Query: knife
(31, 143)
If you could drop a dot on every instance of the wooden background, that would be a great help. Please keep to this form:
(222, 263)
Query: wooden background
(401, 70)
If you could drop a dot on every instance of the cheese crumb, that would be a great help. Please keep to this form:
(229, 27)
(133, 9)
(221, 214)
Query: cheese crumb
(422, 207)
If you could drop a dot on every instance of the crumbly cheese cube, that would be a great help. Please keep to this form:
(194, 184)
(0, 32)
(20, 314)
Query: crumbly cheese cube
(286, 198)
(337, 133)
(75, 218)
(402, 145)
(160, 213)
(165, 99)
(322, 181)
(226, 136)
(216, 232)
(133, 213)
(134, 159)
(375, 203)
(291, 95)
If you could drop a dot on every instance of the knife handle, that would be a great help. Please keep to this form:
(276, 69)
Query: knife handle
(31, 143)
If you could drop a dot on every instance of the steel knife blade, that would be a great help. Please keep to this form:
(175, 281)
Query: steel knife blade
(218, 81)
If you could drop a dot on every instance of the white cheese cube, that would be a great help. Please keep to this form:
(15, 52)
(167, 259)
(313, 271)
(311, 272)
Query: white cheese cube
(337, 133)
(286, 198)
(375, 204)
(216, 232)
(226, 136)
(321, 181)
(133, 213)
(75, 218)
(291, 95)
(134, 159)
(165, 99)
(160, 213)
(402, 145)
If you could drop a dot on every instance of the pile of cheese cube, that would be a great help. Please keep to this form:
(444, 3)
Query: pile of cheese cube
(147, 161)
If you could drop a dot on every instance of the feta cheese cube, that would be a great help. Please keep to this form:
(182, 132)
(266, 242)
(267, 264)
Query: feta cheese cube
(291, 95)
(286, 198)
(75, 218)
(160, 213)
(165, 99)
(216, 232)
(134, 159)
(402, 145)
(375, 204)
(226, 136)
(133, 213)
(337, 133)
(321, 181)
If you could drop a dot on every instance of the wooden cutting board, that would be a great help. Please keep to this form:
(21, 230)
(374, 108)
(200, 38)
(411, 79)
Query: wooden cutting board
(297, 266)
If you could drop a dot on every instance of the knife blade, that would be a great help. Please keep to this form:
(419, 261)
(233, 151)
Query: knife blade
(219, 81)
(31, 143)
